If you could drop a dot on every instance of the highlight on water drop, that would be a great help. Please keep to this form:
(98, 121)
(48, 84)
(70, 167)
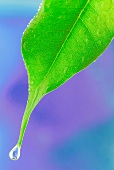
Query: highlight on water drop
(15, 153)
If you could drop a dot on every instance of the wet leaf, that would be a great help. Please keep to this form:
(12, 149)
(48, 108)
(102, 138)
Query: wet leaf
(63, 38)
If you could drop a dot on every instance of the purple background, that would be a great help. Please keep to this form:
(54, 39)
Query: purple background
(72, 128)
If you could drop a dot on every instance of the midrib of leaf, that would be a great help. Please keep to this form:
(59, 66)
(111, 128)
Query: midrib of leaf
(68, 35)
(42, 87)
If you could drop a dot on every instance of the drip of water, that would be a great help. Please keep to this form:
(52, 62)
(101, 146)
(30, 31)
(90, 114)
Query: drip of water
(15, 153)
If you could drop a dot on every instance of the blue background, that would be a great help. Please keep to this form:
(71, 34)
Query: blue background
(72, 128)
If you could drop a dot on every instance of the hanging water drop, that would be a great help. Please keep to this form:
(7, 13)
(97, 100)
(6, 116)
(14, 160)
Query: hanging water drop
(15, 153)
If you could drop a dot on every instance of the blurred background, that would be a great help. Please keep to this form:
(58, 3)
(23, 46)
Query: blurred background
(72, 128)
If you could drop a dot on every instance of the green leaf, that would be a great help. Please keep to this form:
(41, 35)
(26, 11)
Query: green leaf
(63, 38)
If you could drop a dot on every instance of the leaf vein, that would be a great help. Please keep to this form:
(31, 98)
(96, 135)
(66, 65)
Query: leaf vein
(64, 43)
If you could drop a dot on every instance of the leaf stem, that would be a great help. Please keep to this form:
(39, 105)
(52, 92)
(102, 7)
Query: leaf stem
(33, 99)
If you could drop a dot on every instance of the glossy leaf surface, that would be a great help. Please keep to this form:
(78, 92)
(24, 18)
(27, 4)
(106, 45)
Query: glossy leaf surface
(63, 38)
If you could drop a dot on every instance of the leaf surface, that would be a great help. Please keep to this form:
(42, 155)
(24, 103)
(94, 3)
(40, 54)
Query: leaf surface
(63, 38)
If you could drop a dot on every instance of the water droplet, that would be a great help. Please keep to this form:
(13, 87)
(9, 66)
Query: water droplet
(102, 4)
(65, 70)
(31, 82)
(15, 153)
(100, 42)
(98, 19)
(40, 7)
(24, 45)
(82, 59)
(86, 40)
(98, 32)
(60, 16)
